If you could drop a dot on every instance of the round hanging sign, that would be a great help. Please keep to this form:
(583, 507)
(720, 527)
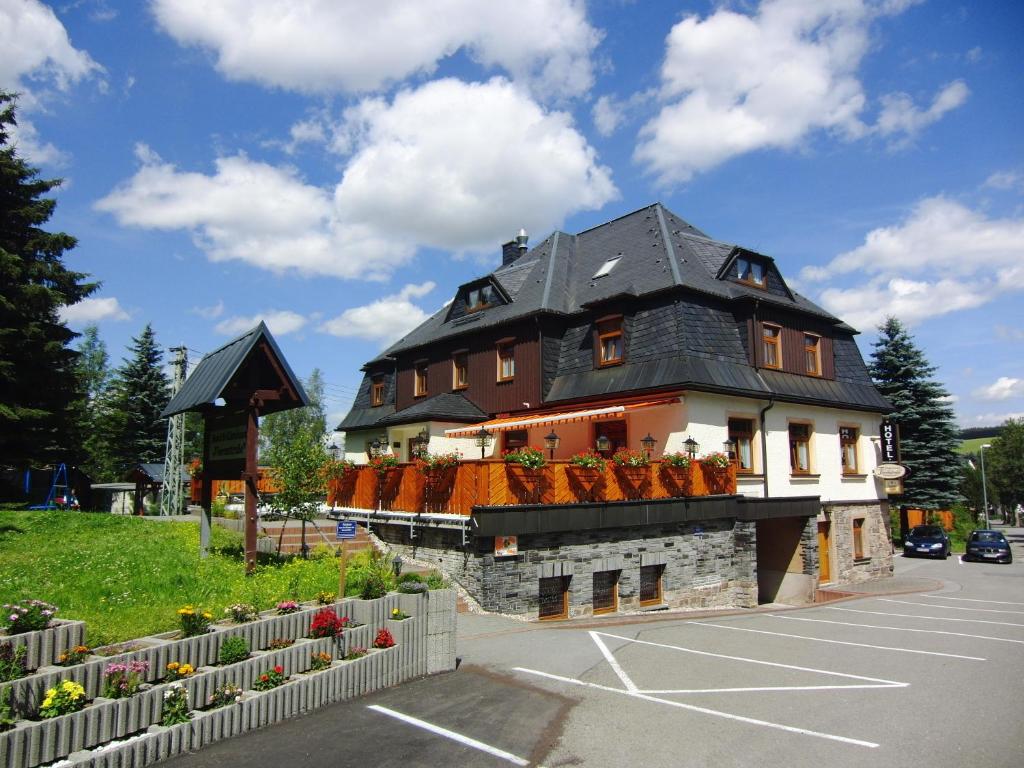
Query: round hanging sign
(890, 471)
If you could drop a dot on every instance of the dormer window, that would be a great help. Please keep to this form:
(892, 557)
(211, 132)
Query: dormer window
(752, 272)
(377, 393)
(609, 341)
(771, 349)
(607, 267)
(479, 298)
(420, 379)
(812, 354)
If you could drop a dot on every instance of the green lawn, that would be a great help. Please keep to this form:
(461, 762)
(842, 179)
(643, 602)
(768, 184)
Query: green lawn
(126, 576)
(974, 444)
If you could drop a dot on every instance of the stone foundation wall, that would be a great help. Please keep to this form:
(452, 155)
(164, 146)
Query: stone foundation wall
(710, 564)
(876, 541)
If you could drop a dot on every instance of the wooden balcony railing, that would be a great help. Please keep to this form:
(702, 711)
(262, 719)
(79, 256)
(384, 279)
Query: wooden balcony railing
(493, 483)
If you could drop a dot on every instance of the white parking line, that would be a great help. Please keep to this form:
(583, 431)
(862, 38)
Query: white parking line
(947, 607)
(702, 710)
(886, 683)
(841, 642)
(466, 740)
(895, 629)
(971, 600)
(613, 663)
(929, 618)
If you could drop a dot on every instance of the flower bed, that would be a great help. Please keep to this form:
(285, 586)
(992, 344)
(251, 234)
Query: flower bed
(424, 642)
(43, 647)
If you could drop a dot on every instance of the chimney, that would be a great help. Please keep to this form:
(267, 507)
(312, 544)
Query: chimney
(513, 249)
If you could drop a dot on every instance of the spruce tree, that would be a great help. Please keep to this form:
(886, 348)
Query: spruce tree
(38, 386)
(133, 430)
(93, 372)
(928, 435)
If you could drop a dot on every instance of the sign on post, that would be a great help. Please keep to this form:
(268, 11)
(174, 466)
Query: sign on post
(346, 529)
(890, 443)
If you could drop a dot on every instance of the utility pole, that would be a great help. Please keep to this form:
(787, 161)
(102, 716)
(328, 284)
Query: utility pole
(172, 497)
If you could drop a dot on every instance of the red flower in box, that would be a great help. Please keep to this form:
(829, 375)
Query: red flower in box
(384, 639)
(327, 624)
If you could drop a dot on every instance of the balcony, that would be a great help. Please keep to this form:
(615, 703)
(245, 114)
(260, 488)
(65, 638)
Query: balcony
(456, 490)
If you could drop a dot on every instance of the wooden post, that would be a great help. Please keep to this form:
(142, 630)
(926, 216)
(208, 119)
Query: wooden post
(206, 515)
(251, 472)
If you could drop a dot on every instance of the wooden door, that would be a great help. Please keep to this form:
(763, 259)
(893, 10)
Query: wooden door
(824, 564)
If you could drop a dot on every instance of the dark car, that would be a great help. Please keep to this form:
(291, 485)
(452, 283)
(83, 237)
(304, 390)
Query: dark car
(926, 540)
(988, 546)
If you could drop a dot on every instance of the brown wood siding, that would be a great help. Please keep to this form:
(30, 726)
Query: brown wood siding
(793, 329)
(484, 389)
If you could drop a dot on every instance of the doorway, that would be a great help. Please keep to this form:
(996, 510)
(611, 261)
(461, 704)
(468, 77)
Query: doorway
(824, 559)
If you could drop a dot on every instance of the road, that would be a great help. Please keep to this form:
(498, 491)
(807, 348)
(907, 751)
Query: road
(929, 678)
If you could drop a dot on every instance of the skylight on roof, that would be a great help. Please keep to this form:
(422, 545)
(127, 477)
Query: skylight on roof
(607, 267)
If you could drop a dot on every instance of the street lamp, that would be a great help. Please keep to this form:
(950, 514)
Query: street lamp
(551, 442)
(332, 449)
(648, 444)
(984, 485)
(691, 447)
(483, 439)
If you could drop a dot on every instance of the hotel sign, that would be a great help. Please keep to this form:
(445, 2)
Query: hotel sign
(890, 442)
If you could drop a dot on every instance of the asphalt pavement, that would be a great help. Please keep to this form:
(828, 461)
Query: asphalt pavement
(921, 669)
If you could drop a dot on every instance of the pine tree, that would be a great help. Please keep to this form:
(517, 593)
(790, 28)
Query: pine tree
(93, 372)
(38, 386)
(928, 435)
(133, 430)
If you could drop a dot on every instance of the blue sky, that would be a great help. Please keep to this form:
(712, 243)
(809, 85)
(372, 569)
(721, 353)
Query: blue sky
(338, 167)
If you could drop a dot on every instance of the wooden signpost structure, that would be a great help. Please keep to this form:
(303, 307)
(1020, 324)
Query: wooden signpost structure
(232, 387)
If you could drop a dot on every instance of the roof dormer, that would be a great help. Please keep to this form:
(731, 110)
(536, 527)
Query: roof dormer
(477, 296)
(754, 270)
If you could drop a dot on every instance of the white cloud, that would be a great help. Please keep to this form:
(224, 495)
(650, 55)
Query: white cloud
(901, 116)
(1006, 180)
(210, 313)
(733, 83)
(93, 311)
(607, 115)
(948, 399)
(987, 419)
(1002, 388)
(280, 322)
(449, 165)
(1012, 334)
(351, 45)
(384, 320)
(942, 258)
(35, 55)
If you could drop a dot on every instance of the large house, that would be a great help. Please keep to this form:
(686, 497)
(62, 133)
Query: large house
(642, 333)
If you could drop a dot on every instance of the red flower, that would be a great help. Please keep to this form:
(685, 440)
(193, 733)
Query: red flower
(279, 669)
(264, 678)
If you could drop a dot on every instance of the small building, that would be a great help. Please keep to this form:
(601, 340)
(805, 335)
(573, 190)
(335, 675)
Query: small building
(642, 335)
(148, 479)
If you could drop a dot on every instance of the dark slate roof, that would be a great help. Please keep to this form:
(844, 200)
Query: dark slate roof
(364, 418)
(448, 406)
(810, 389)
(210, 378)
(155, 472)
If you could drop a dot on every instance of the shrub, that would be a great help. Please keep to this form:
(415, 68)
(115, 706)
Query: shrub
(325, 598)
(528, 457)
(27, 616)
(121, 680)
(287, 606)
(413, 587)
(175, 706)
(280, 642)
(240, 613)
(175, 671)
(322, 552)
(588, 460)
(436, 580)
(678, 459)
(271, 679)
(356, 652)
(194, 621)
(223, 695)
(7, 718)
(233, 650)
(327, 624)
(411, 576)
(74, 656)
(630, 458)
(65, 697)
(375, 586)
(384, 639)
(320, 661)
(12, 661)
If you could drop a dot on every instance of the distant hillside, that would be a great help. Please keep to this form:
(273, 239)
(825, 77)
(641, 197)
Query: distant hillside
(973, 432)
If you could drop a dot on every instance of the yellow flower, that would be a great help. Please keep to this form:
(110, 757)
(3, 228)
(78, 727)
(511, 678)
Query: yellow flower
(207, 615)
(173, 666)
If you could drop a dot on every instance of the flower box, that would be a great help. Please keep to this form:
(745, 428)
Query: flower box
(718, 480)
(678, 481)
(43, 647)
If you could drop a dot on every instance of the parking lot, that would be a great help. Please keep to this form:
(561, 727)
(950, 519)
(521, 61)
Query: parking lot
(931, 677)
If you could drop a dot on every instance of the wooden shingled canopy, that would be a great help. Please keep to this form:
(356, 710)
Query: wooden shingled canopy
(232, 387)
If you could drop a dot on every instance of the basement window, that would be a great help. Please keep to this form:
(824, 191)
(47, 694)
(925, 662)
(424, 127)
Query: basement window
(553, 598)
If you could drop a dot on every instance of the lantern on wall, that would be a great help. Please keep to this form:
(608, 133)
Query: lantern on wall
(692, 446)
(603, 444)
(648, 444)
(483, 439)
(551, 442)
